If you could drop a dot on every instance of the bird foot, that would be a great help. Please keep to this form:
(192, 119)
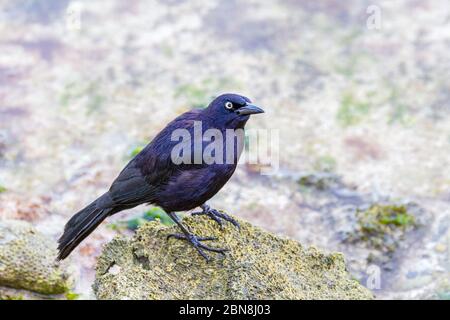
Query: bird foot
(196, 243)
(217, 216)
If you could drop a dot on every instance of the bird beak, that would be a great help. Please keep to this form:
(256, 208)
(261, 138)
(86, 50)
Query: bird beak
(249, 109)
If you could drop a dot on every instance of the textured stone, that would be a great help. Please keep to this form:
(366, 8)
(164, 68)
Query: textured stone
(259, 265)
(27, 260)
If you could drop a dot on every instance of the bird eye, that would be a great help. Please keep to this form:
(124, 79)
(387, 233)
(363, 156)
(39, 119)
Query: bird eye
(228, 105)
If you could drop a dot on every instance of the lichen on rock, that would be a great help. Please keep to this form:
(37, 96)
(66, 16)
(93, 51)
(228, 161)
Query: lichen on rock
(27, 260)
(258, 265)
(385, 229)
(382, 226)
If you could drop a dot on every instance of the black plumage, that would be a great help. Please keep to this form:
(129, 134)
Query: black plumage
(152, 177)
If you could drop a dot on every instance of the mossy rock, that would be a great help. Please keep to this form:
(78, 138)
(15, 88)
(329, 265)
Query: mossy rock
(320, 181)
(383, 226)
(258, 265)
(27, 260)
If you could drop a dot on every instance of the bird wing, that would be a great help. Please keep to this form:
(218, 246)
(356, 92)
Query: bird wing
(131, 188)
(152, 167)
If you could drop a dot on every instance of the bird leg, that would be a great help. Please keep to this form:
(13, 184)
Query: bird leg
(216, 215)
(194, 240)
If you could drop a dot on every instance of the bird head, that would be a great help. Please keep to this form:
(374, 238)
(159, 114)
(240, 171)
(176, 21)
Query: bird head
(232, 110)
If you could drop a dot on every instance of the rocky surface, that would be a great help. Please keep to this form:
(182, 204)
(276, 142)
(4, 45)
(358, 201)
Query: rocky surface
(27, 261)
(368, 106)
(258, 265)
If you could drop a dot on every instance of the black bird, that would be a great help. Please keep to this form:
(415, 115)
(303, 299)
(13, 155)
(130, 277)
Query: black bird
(156, 177)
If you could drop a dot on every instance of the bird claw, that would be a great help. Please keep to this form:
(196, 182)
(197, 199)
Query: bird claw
(217, 216)
(196, 243)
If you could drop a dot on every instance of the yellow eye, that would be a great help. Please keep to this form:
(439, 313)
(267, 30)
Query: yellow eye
(228, 105)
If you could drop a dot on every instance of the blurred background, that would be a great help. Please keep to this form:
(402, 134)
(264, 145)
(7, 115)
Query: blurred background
(359, 91)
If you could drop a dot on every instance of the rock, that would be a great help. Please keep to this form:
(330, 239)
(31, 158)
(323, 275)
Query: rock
(27, 260)
(319, 181)
(20, 294)
(259, 265)
(382, 229)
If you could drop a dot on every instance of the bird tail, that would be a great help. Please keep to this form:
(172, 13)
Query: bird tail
(83, 223)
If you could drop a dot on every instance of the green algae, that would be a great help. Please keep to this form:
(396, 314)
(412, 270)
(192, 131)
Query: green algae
(159, 214)
(258, 265)
(383, 226)
(379, 219)
(152, 214)
(72, 296)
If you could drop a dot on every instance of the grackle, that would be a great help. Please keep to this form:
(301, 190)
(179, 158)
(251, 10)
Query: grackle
(156, 176)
